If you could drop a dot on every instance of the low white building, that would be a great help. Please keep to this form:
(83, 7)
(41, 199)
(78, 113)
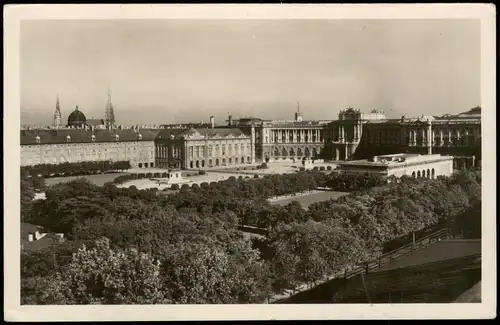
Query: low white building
(414, 165)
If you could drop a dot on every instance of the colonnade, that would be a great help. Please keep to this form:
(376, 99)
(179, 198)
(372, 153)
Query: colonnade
(296, 135)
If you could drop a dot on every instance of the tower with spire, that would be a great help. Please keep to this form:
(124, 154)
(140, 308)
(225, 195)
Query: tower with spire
(298, 114)
(57, 122)
(109, 114)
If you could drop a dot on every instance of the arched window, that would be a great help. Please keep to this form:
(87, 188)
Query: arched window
(190, 164)
(217, 162)
(433, 173)
(418, 174)
(413, 174)
(428, 173)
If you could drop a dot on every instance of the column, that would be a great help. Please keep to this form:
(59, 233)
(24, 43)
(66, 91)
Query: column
(441, 139)
(458, 137)
(339, 133)
(449, 138)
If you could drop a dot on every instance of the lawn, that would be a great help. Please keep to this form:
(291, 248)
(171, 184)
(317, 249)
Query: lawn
(99, 179)
(307, 200)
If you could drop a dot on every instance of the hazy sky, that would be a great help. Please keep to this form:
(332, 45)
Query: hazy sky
(167, 71)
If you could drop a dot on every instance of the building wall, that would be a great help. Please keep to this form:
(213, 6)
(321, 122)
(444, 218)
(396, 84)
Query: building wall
(422, 169)
(170, 153)
(203, 153)
(353, 138)
(425, 170)
(287, 143)
(137, 152)
(218, 152)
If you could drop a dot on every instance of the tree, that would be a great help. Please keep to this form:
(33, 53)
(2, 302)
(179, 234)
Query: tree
(105, 276)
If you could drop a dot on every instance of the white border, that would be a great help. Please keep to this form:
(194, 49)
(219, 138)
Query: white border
(15, 312)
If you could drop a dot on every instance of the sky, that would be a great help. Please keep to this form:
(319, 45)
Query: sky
(171, 71)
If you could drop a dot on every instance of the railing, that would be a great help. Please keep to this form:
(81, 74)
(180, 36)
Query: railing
(382, 260)
(401, 251)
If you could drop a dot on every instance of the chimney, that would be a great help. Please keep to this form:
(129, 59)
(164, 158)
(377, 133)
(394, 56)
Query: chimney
(230, 120)
(212, 122)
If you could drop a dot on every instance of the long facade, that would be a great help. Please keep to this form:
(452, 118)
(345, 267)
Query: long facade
(80, 145)
(203, 148)
(285, 140)
(357, 135)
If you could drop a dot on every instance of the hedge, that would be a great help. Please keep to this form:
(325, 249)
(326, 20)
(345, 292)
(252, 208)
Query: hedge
(74, 169)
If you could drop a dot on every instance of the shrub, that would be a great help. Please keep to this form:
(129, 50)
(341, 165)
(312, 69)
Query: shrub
(175, 187)
(204, 185)
(141, 175)
(302, 169)
(202, 172)
(122, 179)
(322, 168)
(329, 168)
(264, 166)
(255, 176)
(232, 178)
(164, 175)
(195, 186)
(148, 175)
(184, 187)
(316, 168)
(240, 177)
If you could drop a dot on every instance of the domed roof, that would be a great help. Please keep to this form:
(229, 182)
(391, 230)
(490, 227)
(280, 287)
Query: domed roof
(76, 118)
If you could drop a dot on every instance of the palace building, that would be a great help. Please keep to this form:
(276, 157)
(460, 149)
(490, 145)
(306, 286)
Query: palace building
(284, 140)
(79, 145)
(203, 147)
(85, 139)
(357, 135)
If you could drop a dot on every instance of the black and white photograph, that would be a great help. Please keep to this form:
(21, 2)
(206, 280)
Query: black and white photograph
(249, 161)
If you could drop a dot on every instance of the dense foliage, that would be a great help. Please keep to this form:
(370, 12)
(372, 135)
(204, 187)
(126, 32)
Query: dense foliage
(141, 247)
(75, 169)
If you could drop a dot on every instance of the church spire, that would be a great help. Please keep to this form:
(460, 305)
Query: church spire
(109, 114)
(57, 114)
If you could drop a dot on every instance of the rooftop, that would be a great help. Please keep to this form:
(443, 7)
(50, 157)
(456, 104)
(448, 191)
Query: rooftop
(394, 159)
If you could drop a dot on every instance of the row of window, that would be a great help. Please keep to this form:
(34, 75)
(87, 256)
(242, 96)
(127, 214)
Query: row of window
(113, 145)
(218, 162)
